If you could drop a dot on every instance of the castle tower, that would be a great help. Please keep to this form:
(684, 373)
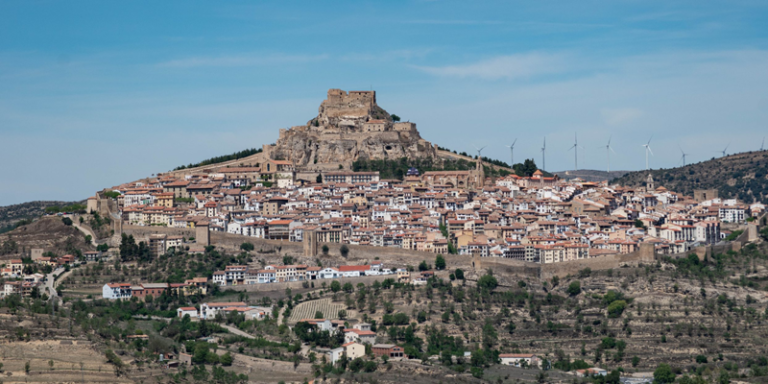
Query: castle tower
(202, 234)
(310, 243)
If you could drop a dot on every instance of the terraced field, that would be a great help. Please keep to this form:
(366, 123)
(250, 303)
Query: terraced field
(308, 309)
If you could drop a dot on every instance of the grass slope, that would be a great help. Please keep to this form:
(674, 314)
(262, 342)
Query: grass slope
(742, 176)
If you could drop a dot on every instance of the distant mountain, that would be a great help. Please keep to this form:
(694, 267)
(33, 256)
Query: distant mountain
(590, 175)
(742, 176)
(11, 214)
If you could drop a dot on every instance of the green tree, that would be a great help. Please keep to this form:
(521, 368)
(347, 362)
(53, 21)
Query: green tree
(226, 359)
(66, 220)
(574, 288)
(439, 262)
(325, 249)
(246, 246)
(613, 378)
(319, 315)
(26, 367)
(635, 361)
(342, 314)
(459, 274)
(335, 286)
(423, 266)
(488, 282)
(527, 168)
(616, 308)
(319, 179)
(344, 250)
(663, 374)
(395, 117)
(490, 336)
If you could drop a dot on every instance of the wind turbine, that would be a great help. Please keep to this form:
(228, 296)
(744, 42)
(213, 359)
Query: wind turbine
(479, 150)
(647, 149)
(544, 155)
(608, 150)
(684, 155)
(726, 148)
(512, 153)
(763, 144)
(575, 147)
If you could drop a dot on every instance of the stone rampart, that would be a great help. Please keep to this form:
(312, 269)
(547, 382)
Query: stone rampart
(299, 284)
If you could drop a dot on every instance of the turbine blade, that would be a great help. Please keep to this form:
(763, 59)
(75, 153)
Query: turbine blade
(649, 150)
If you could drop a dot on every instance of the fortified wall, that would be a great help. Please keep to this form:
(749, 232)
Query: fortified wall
(398, 257)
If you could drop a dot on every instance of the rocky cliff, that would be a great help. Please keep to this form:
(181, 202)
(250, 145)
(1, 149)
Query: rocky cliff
(349, 126)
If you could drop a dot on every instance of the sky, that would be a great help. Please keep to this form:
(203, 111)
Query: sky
(95, 93)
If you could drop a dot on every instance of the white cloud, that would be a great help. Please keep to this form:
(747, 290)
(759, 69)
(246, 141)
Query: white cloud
(618, 116)
(240, 61)
(505, 67)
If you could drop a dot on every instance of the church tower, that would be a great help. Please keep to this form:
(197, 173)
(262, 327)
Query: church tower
(649, 186)
(479, 173)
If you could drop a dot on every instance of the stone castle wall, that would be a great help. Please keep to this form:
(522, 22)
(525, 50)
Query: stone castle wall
(398, 257)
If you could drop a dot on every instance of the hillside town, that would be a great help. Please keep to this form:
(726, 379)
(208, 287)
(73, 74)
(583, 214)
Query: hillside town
(537, 218)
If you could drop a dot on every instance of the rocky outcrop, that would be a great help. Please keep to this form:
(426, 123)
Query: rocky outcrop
(349, 126)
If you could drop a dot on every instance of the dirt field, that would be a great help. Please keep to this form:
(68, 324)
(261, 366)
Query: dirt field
(307, 310)
(73, 361)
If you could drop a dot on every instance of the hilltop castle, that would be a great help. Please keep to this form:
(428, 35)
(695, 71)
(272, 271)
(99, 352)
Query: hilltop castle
(349, 126)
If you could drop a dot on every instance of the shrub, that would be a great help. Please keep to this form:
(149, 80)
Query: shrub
(616, 308)
(488, 282)
(663, 374)
(440, 262)
(574, 288)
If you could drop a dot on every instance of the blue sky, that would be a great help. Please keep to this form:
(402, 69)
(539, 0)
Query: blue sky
(93, 94)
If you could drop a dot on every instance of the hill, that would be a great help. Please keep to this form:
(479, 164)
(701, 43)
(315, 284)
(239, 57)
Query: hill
(742, 176)
(591, 175)
(49, 233)
(11, 214)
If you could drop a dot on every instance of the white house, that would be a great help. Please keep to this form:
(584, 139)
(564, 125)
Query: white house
(191, 311)
(328, 273)
(357, 335)
(114, 291)
(354, 350)
(336, 354)
(219, 278)
(520, 359)
(209, 310)
(266, 276)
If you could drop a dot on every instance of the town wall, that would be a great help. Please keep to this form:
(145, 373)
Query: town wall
(298, 284)
(398, 257)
